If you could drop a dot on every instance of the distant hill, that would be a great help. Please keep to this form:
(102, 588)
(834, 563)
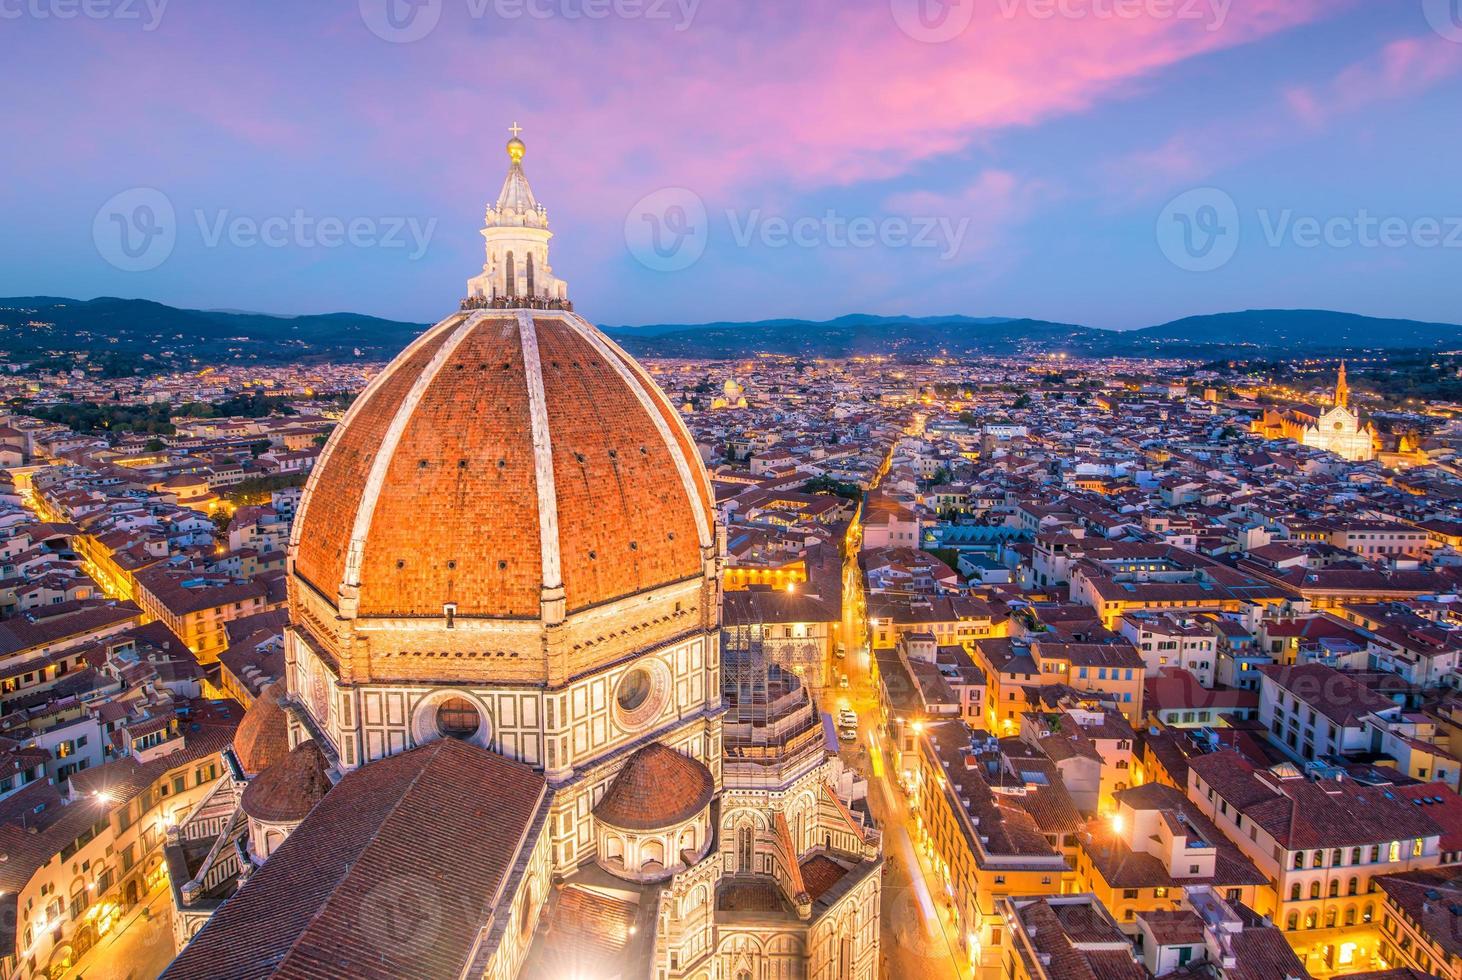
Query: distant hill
(133, 329)
(129, 335)
(1317, 329)
(1251, 333)
(849, 321)
(856, 335)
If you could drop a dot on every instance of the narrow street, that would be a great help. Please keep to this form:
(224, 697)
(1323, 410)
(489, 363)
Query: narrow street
(140, 948)
(918, 938)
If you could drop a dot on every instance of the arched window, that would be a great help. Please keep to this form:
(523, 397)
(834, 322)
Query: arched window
(1294, 892)
(1334, 887)
(1314, 889)
(1369, 913)
(1353, 887)
(1350, 915)
(1310, 919)
(744, 851)
(512, 274)
(652, 852)
(531, 291)
(525, 913)
(1292, 922)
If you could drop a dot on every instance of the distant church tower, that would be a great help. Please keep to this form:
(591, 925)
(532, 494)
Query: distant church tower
(1339, 429)
(516, 273)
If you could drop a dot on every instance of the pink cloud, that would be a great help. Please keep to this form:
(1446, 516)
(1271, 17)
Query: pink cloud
(1400, 68)
(1397, 70)
(824, 94)
(984, 210)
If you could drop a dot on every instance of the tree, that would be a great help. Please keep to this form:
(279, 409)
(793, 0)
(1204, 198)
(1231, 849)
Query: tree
(827, 485)
(155, 445)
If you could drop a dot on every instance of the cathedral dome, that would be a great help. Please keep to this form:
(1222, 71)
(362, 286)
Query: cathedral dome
(508, 463)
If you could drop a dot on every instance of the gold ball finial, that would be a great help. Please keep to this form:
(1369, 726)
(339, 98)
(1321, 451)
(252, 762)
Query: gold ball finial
(516, 149)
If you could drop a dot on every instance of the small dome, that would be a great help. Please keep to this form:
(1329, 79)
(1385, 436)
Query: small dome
(658, 787)
(262, 738)
(290, 788)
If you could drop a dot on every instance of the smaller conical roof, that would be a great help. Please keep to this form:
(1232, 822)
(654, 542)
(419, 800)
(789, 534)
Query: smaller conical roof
(658, 787)
(262, 737)
(290, 788)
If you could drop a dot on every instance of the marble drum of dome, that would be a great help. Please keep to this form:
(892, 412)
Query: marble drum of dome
(510, 471)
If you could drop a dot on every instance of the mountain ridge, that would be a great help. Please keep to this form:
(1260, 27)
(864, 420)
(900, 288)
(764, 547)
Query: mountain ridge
(123, 330)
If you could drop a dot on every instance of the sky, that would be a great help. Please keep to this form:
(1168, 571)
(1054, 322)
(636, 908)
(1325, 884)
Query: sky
(1117, 163)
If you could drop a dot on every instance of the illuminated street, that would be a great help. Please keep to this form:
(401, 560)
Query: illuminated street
(918, 936)
(138, 949)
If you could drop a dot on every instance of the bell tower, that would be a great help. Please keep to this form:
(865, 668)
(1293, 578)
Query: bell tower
(1342, 389)
(516, 273)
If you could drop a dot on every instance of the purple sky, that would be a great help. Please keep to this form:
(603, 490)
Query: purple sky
(796, 157)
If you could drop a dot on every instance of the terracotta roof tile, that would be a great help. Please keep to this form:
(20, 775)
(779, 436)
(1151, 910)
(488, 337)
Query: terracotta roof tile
(262, 738)
(657, 787)
(391, 875)
(290, 788)
(457, 517)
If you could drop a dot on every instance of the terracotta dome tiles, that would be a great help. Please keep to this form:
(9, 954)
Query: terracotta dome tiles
(457, 518)
(657, 788)
(262, 737)
(346, 462)
(625, 523)
(289, 789)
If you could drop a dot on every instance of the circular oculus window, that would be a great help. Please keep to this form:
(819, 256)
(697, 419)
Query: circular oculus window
(640, 694)
(458, 718)
(450, 714)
